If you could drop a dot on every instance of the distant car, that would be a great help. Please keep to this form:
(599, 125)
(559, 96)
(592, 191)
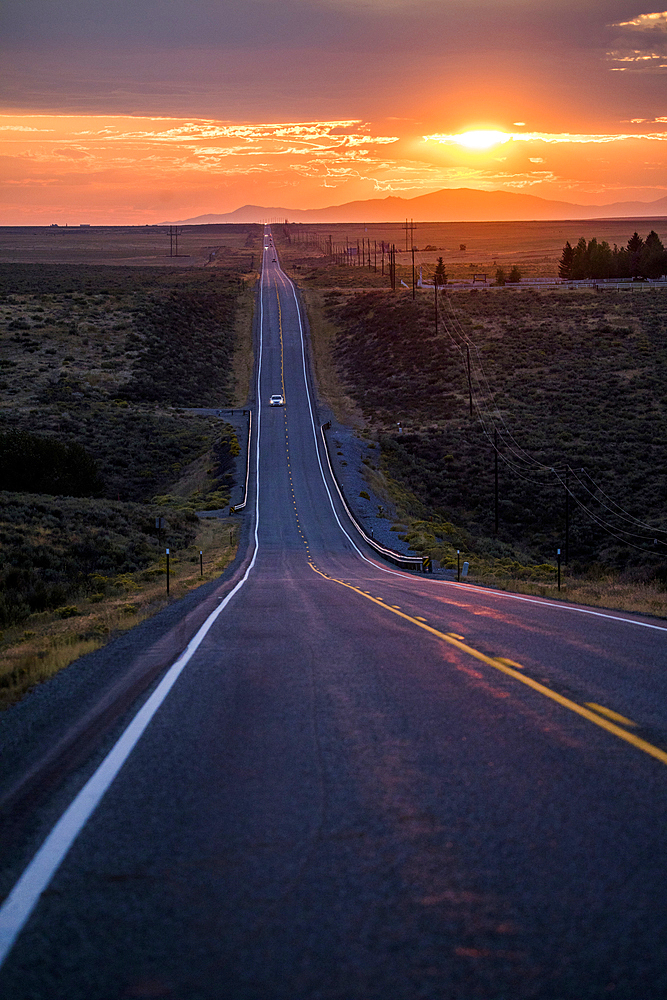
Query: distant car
(274, 260)
(277, 400)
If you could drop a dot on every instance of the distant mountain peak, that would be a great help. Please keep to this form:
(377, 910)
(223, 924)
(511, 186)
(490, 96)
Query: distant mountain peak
(447, 205)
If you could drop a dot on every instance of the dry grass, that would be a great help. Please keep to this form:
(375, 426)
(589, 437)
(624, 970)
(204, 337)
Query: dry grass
(534, 246)
(323, 337)
(210, 246)
(607, 592)
(244, 358)
(30, 655)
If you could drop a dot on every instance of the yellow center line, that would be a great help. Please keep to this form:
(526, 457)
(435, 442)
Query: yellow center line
(509, 663)
(614, 716)
(498, 664)
(280, 330)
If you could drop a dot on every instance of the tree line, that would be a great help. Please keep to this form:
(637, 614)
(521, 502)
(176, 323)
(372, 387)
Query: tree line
(638, 259)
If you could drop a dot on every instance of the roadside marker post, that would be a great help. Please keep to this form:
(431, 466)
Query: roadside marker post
(167, 572)
(559, 571)
(201, 563)
(458, 565)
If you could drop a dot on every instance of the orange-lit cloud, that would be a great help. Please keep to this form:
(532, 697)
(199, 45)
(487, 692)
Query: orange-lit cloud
(641, 44)
(134, 111)
(127, 169)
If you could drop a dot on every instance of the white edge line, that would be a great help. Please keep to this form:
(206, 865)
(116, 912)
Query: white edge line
(548, 604)
(446, 583)
(24, 896)
(381, 549)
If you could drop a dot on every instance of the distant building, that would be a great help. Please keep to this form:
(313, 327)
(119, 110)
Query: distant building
(84, 225)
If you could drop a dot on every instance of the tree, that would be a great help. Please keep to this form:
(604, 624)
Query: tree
(600, 260)
(652, 257)
(440, 273)
(565, 262)
(635, 246)
(580, 260)
(33, 464)
(500, 276)
(514, 277)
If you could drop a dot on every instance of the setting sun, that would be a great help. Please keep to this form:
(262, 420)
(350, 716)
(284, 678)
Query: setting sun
(481, 139)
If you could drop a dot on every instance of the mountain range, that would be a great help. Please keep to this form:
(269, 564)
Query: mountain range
(448, 205)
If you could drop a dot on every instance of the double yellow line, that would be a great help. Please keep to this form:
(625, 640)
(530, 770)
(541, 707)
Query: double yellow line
(505, 667)
(282, 353)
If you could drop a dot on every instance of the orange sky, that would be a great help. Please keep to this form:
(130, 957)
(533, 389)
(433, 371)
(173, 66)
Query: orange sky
(136, 113)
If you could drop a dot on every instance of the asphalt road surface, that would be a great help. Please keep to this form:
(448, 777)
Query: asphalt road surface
(357, 783)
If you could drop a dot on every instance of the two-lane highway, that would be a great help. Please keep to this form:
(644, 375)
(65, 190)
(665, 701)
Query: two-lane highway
(357, 783)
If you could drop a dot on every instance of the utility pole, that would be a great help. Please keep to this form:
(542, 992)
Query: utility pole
(495, 448)
(406, 235)
(435, 289)
(567, 513)
(382, 256)
(413, 274)
(375, 256)
(469, 378)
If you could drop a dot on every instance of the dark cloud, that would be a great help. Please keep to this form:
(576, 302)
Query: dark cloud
(371, 25)
(322, 58)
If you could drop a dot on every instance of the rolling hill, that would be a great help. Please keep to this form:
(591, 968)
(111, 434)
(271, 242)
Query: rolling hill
(449, 205)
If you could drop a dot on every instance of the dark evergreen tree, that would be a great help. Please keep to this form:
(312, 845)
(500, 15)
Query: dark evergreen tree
(440, 273)
(580, 260)
(33, 464)
(514, 277)
(565, 262)
(652, 257)
(600, 260)
(635, 247)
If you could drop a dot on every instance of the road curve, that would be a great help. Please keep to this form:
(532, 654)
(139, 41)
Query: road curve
(358, 783)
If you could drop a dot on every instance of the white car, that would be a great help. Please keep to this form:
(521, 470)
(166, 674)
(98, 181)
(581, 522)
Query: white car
(277, 400)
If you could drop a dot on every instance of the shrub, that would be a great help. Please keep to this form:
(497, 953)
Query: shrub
(30, 463)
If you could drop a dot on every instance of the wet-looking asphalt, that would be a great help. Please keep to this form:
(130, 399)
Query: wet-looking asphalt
(362, 784)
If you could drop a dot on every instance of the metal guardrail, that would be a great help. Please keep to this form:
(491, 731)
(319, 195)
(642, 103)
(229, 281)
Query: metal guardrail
(240, 506)
(412, 562)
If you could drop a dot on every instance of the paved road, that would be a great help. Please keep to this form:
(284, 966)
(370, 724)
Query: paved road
(358, 784)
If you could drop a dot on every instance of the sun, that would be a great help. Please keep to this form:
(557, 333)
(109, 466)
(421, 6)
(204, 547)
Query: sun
(481, 139)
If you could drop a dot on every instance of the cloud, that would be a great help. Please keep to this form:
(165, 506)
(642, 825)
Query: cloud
(557, 137)
(653, 23)
(20, 128)
(641, 43)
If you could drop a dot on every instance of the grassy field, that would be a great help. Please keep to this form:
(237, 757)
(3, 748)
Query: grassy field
(46, 641)
(468, 248)
(209, 247)
(107, 360)
(570, 379)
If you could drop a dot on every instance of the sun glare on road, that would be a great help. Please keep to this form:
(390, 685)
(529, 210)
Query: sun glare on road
(481, 139)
